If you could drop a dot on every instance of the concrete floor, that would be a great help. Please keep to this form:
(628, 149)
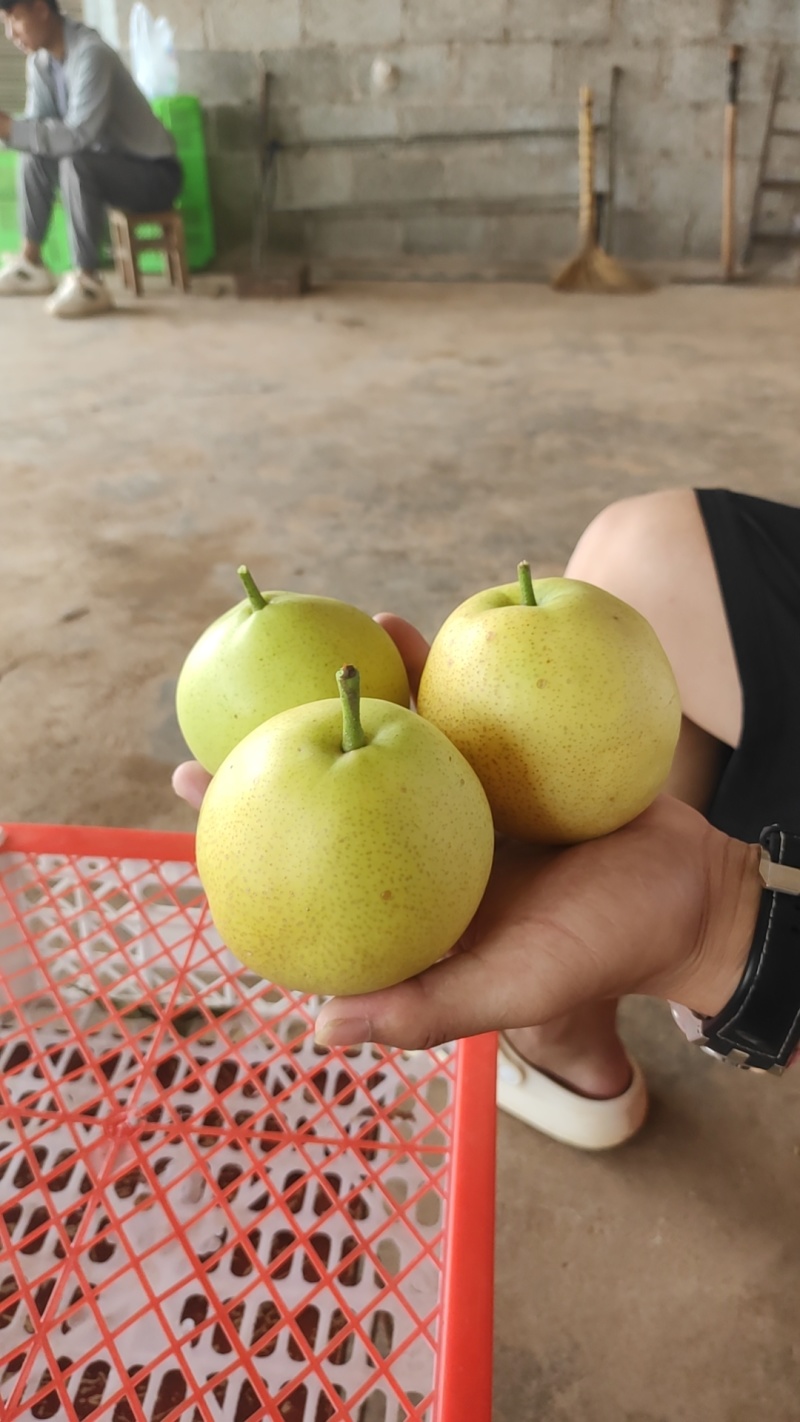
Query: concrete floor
(402, 447)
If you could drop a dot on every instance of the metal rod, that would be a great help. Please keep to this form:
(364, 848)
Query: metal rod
(433, 206)
(396, 141)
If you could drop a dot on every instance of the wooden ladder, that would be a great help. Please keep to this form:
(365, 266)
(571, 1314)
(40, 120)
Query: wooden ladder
(765, 183)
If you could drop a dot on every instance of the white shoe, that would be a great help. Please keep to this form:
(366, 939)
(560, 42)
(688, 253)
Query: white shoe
(554, 1109)
(19, 277)
(79, 296)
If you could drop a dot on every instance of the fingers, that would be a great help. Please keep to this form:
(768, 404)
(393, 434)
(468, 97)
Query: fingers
(190, 782)
(416, 1014)
(500, 985)
(452, 999)
(410, 644)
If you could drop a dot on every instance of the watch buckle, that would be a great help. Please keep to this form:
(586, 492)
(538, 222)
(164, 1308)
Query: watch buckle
(781, 878)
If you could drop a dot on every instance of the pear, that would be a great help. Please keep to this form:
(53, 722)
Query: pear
(272, 651)
(563, 701)
(344, 845)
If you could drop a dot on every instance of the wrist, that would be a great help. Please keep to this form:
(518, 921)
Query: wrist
(758, 1025)
(733, 898)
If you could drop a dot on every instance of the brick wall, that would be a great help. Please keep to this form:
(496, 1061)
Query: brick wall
(485, 66)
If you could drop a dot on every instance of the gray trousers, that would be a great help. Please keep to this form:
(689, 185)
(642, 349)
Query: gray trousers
(91, 182)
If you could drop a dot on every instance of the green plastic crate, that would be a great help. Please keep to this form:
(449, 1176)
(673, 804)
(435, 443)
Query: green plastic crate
(9, 227)
(8, 175)
(183, 117)
(55, 251)
(9, 231)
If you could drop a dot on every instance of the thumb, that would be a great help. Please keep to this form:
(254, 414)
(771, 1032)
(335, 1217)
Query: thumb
(410, 644)
(190, 782)
(482, 989)
(419, 1013)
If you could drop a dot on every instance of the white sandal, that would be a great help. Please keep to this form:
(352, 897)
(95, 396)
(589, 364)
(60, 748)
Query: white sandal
(565, 1115)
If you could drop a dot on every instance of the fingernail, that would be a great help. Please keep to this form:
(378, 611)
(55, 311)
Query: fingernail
(343, 1032)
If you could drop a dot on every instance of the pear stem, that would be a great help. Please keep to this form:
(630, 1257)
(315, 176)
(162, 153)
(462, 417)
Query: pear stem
(257, 602)
(349, 683)
(528, 598)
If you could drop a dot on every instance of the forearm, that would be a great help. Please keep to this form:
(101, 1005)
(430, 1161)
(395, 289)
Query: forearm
(665, 907)
(45, 134)
(51, 138)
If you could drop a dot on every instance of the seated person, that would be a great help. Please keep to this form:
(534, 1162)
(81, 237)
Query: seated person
(88, 131)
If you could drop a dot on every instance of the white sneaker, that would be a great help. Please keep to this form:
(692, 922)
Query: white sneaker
(19, 277)
(78, 296)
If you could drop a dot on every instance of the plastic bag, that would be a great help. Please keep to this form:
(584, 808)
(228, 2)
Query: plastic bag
(153, 60)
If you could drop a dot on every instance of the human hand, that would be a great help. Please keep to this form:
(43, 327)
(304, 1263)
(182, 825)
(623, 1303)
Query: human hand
(665, 906)
(190, 782)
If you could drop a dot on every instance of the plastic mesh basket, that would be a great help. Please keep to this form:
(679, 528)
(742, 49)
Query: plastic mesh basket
(202, 1215)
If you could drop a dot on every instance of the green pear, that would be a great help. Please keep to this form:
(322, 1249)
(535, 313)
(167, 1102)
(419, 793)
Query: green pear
(563, 701)
(344, 845)
(273, 651)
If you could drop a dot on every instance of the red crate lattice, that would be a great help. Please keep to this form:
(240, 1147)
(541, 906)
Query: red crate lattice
(202, 1215)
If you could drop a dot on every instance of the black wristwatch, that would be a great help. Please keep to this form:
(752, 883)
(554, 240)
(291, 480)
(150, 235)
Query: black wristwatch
(760, 1025)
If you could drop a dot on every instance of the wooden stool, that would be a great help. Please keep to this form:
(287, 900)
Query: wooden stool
(126, 245)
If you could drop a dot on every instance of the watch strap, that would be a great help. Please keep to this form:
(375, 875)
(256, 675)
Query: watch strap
(760, 1025)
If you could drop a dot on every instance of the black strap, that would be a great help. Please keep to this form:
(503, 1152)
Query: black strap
(760, 1025)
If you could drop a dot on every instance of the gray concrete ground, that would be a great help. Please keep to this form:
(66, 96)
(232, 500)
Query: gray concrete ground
(402, 447)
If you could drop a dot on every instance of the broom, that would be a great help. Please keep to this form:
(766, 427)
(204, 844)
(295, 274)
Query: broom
(271, 274)
(592, 269)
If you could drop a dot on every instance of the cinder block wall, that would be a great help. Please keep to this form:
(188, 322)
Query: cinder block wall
(486, 66)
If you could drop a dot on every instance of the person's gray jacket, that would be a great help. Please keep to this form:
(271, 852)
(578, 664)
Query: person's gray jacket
(106, 111)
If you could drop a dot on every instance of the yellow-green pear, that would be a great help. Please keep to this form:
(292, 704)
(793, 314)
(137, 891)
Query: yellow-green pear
(273, 651)
(563, 701)
(344, 845)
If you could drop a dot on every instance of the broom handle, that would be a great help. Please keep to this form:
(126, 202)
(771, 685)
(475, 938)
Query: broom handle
(588, 205)
(729, 164)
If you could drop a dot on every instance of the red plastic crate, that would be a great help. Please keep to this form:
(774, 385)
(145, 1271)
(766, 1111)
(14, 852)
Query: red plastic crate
(202, 1215)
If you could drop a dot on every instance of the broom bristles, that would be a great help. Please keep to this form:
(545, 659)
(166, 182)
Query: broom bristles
(594, 271)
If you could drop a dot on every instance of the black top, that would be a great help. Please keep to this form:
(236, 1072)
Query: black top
(756, 548)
